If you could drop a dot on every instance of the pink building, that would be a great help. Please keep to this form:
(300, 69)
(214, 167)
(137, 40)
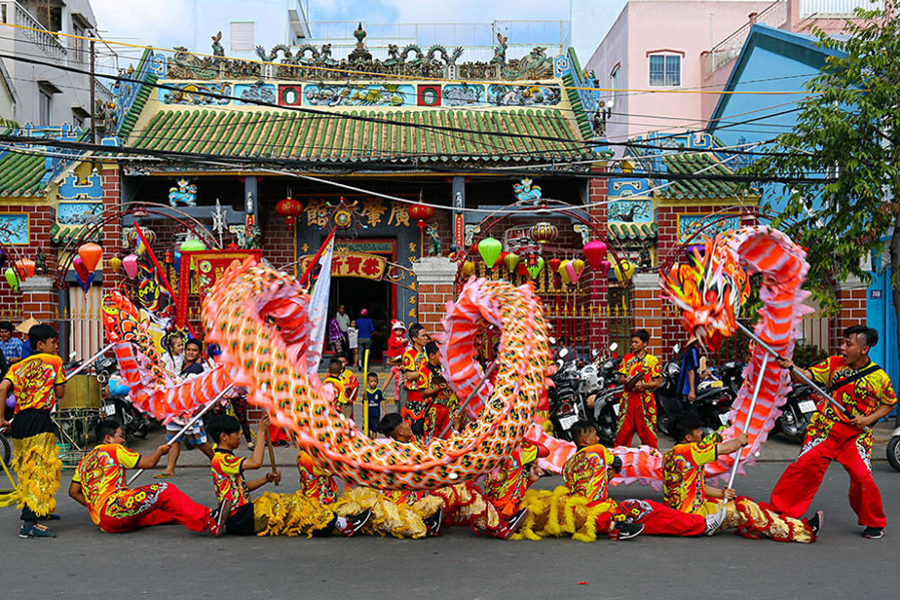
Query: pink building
(680, 45)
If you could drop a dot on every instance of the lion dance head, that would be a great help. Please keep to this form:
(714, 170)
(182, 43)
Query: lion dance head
(709, 290)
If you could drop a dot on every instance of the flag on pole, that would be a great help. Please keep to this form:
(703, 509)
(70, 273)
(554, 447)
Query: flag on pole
(318, 307)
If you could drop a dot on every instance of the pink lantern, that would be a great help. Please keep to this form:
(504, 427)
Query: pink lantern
(130, 263)
(595, 252)
(605, 266)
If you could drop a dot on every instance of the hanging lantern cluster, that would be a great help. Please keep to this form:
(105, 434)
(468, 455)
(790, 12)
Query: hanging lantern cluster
(290, 209)
(543, 233)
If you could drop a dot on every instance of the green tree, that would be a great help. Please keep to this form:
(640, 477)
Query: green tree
(848, 134)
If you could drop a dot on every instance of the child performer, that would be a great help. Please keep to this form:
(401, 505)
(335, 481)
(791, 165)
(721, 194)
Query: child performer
(685, 489)
(37, 382)
(396, 347)
(99, 484)
(307, 516)
(638, 415)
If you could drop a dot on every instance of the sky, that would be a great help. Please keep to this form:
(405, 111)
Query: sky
(168, 23)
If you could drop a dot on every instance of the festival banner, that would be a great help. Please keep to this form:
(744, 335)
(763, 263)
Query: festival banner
(353, 264)
(318, 308)
(199, 270)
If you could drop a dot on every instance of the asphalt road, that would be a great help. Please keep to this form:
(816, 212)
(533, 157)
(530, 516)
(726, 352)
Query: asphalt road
(171, 562)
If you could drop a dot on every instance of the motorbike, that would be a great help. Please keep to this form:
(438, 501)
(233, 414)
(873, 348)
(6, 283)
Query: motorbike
(796, 413)
(893, 446)
(605, 393)
(117, 406)
(715, 394)
(565, 399)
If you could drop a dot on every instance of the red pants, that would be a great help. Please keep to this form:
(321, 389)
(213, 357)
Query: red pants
(148, 505)
(657, 518)
(638, 415)
(801, 480)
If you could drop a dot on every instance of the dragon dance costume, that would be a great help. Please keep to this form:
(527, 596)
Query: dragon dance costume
(36, 456)
(684, 488)
(638, 416)
(831, 437)
(582, 508)
(115, 508)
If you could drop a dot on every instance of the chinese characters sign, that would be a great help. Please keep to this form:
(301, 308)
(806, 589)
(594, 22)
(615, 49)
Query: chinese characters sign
(199, 271)
(353, 264)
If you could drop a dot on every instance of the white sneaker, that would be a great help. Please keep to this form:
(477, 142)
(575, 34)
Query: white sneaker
(714, 521)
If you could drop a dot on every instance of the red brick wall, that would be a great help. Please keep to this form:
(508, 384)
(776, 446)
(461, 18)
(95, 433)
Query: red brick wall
(853, 312)
(18, 306)
(112, 231)
(648, 315)
(433, 299)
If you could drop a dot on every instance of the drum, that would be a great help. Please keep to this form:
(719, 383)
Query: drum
(82, 391)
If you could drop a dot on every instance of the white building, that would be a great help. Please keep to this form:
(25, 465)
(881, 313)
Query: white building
(246, 24)
(40, 92)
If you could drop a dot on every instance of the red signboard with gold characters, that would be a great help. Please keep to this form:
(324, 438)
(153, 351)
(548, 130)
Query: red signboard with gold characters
(353, 264)
(199, 270)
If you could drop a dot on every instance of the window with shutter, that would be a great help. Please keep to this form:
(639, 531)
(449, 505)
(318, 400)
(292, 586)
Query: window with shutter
(242, 36)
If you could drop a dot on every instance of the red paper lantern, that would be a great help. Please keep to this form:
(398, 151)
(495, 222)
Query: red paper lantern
(554, 265)
(420, 213)
(289, 209)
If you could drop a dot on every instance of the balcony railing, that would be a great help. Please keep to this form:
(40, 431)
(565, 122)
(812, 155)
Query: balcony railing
(47, 41)
(774, 15)
(836, 8)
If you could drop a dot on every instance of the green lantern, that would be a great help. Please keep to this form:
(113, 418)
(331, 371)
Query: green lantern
(490, 250)
(12, 279)
(192, 246)
(535, 269)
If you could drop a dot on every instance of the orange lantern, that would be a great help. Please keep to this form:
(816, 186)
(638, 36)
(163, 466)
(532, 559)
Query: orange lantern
(25, 268)
(420, 213)
(91, 253)
(289, 209)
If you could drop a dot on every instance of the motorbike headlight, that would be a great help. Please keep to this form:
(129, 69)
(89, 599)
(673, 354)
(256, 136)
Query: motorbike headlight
(672, 370)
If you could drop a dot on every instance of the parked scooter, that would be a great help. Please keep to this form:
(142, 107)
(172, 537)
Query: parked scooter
(565, 399)
(893, 446)
(715, 394)
(117, 406)
(606, 396)
(796, 413)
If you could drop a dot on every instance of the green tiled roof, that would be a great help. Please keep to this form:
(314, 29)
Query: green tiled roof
(134, 113)
(633, 231)
(691, 162)
(577, 107)
(335, 139)
(21, 174)
(60, 236)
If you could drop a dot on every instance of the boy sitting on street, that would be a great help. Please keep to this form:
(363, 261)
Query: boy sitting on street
(685, 489)
(99, 484)
(246, 517)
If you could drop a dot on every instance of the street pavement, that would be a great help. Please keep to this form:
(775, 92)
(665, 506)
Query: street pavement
(171, 562)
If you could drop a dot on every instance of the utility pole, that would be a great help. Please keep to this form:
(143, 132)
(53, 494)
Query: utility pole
(93, 99)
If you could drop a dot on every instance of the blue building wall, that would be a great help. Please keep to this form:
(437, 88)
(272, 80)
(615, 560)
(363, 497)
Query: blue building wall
(772, 60)
(776, 60)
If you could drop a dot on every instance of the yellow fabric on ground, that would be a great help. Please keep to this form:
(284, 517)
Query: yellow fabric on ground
(289, 514)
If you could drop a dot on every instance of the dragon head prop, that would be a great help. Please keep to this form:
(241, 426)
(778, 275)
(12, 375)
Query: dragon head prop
(709, 290)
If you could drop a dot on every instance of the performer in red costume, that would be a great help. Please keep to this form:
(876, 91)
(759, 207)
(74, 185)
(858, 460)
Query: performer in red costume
(638, 415)
(865, 392)
(99, 484)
